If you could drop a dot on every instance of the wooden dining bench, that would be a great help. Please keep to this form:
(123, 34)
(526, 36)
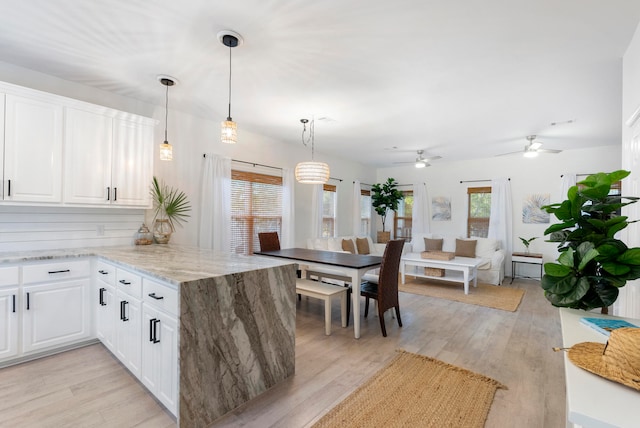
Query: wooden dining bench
(323, 291)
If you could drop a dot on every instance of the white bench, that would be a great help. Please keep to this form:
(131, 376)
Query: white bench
(325, 292)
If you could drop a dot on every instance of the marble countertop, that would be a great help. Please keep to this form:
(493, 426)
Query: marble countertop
(173, 264)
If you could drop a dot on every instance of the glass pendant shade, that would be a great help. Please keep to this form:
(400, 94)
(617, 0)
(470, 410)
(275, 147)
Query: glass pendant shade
(166, 151)
(229, 132)
(312, 172)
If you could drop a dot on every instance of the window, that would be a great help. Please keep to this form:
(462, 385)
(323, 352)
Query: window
(256, 206)
(365, 212)
(402, 218)
(329, 197)
(479, 211)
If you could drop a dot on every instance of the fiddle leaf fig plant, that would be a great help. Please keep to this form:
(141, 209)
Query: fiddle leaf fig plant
(593, 265)
(385, 197)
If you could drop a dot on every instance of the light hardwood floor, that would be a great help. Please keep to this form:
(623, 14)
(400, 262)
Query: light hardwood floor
(87, 387)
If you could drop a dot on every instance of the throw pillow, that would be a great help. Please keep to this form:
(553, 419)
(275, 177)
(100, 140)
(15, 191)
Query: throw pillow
(363, 245)
(432, 244)
(466, 248)
(347, 245)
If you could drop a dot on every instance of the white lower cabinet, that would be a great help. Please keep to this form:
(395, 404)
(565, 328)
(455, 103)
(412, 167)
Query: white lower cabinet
(8, 322)
(106, 312)
(55, 314)
(160, 356)
(129, 332)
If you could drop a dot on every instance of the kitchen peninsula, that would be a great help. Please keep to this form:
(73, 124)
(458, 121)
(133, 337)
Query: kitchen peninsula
(235, 323)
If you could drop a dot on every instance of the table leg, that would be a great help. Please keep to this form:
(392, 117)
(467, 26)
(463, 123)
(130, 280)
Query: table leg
(475, 277)
(465, 272)
(402, 268)
(356, 278)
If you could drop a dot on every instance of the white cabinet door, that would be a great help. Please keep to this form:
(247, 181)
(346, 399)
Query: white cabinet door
(106, 308)
(88, 148)
(132, 163)
(32, 150)
(128, 332)
(55, 314)
(8, 323)
(160, 356)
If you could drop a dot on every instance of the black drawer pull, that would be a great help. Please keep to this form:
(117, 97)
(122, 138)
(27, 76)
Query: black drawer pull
(123, 316)
(115, 194)
(51, 272)
(28, 301)
(102, 303)
(9, 193)
(14, 303)
(153, 296)
(122, 281)
(108, 193)
(104, 272)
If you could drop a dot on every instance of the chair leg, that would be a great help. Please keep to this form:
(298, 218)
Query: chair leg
(398, 315)
(366, 307)
(348, 305)
(299, 297)
(382, 326)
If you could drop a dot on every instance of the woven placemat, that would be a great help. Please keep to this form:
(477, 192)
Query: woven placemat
(491, 296)
(416, 391)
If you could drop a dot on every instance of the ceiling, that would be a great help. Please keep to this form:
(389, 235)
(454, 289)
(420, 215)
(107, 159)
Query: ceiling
(459, 79)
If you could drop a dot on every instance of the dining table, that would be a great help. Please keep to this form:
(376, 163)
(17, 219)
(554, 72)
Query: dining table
(351, 265)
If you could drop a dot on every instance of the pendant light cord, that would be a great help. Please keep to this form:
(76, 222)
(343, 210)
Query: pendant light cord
(311, 136)
(166, 113)
(229, 116)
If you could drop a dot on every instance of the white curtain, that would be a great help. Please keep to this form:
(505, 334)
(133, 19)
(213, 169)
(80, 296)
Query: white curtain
(215, 204)
(567, 181)
(316, 211)
(287, 240)
(420, 215)
(356, 208)
(501, 218)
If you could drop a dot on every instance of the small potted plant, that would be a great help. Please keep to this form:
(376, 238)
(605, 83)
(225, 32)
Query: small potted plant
(527, 242)
(171, 207)
(385, 197)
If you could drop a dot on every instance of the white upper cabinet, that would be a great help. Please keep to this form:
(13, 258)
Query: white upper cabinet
(32, 149)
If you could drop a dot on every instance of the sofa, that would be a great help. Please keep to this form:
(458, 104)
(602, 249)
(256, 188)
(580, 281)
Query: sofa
(491, 271)
(343, 244)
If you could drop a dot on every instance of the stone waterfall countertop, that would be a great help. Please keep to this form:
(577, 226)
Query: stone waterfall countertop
(173, 264)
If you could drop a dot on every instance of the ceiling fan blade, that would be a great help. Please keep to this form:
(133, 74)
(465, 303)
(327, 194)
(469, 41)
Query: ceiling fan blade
(431, 158)
(548, 151)
(510, 153)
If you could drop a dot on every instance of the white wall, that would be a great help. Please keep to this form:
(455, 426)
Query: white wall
(540, 175)
(191, 137)
(628, 303)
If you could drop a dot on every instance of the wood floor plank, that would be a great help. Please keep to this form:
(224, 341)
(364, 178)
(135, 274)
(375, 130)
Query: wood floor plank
(88, 387)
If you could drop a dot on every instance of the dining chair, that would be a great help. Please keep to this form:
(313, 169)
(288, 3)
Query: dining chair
(269, 241)
(385, 292)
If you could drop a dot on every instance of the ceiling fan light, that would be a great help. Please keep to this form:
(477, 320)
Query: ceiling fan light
(420, 164)
(229, 133)
(312, 172)
(530, 154)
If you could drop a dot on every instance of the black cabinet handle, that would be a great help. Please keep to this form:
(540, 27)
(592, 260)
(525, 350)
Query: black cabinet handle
(9, 190)
(152, 330)
(123, 315)
(14, 303)
(115, 194)
(153, 296)
(28, 301)
(108, 193)
(122, 281)
(104, 272)
(155, 331)
(51, 272)
(102, 303)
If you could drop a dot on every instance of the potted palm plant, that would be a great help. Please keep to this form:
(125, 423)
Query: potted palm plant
(593, 264)
(171, 207)
(385, 197)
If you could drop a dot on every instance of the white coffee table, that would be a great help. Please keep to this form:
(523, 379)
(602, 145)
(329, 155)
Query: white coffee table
(458, 269)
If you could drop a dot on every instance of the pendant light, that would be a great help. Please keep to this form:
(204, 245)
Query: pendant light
(229, 129)
(311, 172)
(166, 151)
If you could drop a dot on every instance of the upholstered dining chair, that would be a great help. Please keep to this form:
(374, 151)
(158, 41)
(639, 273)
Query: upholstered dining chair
(385, 292)
(269, 241)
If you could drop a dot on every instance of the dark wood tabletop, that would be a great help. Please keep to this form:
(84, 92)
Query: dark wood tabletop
(355, 261)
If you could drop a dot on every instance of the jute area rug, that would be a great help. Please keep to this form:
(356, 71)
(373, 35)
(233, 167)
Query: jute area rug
(416, 391)
(491, 296)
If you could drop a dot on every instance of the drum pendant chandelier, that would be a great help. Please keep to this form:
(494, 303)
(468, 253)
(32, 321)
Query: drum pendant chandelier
(311, 172)
(229, 129)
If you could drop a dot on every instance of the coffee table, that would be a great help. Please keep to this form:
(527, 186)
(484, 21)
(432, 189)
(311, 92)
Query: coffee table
(458, 269)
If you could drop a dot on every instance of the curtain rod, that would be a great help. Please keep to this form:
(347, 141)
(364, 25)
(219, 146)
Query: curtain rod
(367, 184)
(478, 181)
(581, 175)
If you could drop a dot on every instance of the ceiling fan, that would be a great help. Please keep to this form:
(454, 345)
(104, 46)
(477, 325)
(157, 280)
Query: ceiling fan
(422, 161)
(532, 148)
